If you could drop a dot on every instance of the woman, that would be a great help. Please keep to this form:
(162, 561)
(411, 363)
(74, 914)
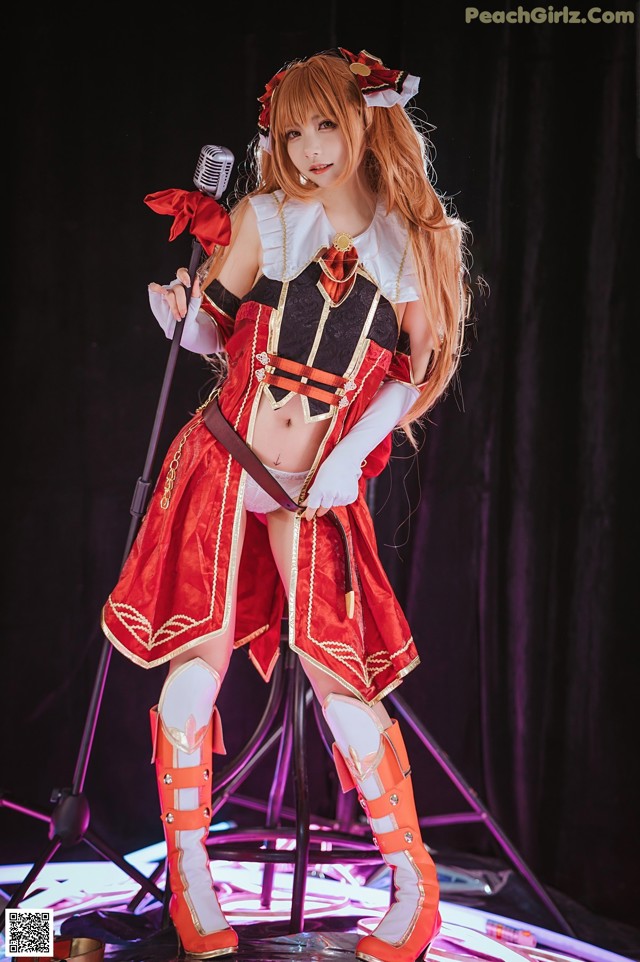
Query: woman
(339, 307)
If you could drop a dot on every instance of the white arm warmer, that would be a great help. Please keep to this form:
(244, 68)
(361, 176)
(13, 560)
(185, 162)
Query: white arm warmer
(337, 479)
(199, 334)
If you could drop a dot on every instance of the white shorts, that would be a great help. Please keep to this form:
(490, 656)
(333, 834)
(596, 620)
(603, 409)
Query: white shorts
(256, 498)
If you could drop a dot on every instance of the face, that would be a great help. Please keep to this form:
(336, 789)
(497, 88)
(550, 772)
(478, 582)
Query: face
(318, 150)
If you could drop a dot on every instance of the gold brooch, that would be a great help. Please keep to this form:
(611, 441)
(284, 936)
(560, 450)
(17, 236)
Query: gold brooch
(343, 241)
(360, 68)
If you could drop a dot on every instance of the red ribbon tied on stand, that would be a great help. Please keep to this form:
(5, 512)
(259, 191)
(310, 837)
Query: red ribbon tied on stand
(210, 222)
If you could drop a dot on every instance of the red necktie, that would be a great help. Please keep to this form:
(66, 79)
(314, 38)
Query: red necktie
(338, 268)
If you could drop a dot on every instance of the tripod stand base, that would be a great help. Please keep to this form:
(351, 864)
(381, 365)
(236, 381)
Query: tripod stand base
(71, 818)
(338, 910)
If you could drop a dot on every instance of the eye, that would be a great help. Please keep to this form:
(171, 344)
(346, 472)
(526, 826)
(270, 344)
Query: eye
(327, 125)
(290, 134)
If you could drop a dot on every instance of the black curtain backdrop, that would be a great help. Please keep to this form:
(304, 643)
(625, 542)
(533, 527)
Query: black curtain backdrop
(510, 539)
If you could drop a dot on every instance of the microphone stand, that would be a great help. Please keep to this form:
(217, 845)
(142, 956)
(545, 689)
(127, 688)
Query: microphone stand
(69, 820)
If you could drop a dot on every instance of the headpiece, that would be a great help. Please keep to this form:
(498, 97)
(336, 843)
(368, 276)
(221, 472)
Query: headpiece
(379, 85)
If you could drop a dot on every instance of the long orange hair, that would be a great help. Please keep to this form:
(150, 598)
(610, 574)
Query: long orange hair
(395, 165)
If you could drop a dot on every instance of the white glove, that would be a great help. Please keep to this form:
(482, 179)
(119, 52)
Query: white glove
(199, 333)
(336, 481)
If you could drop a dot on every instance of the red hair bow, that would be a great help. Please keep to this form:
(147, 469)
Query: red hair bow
(264, 120)
(380, 86)
(210, 223)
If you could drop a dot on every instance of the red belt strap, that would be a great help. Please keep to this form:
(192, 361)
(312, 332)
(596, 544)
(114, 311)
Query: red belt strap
(303, 370)
(278, 373)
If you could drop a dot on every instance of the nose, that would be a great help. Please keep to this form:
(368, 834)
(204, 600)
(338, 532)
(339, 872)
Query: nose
(311, 146)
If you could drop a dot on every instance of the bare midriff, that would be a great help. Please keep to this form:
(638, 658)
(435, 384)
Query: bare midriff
(282, 438)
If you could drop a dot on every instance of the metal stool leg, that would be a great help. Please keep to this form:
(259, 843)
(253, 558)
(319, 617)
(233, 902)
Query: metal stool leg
(302, 800)
(276, 795)
(293, 737)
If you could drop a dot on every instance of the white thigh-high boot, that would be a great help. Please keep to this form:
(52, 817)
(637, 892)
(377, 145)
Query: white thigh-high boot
(373, 759)
(186, 730)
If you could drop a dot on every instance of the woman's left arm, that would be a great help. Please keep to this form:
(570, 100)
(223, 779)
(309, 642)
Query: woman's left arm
(413, 321)
(336, 481)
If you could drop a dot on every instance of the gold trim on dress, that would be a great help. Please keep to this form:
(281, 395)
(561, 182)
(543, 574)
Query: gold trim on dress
(250, 637)
(155, 662)
(401, 268)
(401, 674)
(217, 308)
(332, 674)
(265, 677)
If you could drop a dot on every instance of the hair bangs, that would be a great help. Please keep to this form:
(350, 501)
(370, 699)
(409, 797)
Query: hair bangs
(303, 91)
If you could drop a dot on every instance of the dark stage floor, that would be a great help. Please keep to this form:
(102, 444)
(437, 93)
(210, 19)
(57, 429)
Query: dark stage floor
(95, 899)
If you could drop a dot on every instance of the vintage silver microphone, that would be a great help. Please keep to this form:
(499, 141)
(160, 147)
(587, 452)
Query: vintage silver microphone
(213, 170)
(211, 177)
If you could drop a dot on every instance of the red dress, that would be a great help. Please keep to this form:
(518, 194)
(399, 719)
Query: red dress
(173, 592)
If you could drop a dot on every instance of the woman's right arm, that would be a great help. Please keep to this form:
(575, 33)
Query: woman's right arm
(240, 267)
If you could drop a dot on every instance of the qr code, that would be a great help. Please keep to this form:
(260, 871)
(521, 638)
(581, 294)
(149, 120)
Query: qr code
(28, 932)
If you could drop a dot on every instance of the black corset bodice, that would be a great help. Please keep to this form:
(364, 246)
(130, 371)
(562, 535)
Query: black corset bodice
(313, 331)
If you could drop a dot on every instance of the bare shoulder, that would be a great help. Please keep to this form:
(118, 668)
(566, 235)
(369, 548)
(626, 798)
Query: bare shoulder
(412, 316)
(242, 262)
(244, 222)
(414, 322)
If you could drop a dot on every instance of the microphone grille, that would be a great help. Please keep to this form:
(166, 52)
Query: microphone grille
(213, 170)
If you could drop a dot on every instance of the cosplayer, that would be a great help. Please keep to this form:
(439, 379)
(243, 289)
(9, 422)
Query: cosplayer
(338, 311)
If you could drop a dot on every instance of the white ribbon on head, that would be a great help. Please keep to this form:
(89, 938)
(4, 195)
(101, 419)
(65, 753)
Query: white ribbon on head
(389, 98)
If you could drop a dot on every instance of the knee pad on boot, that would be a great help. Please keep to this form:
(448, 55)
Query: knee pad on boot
(185, 710)
(358, 733)
(186, 703)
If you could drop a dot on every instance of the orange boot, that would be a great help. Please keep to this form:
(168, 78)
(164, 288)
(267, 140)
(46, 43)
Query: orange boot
(374, 761)
(186, 729)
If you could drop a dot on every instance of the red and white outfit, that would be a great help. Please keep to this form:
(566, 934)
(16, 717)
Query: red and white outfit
(321, 323)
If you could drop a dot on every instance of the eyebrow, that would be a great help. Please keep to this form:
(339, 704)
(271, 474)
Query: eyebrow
(312, 119)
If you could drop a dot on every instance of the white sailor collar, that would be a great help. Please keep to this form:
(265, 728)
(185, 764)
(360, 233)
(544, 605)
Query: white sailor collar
(293, 231)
